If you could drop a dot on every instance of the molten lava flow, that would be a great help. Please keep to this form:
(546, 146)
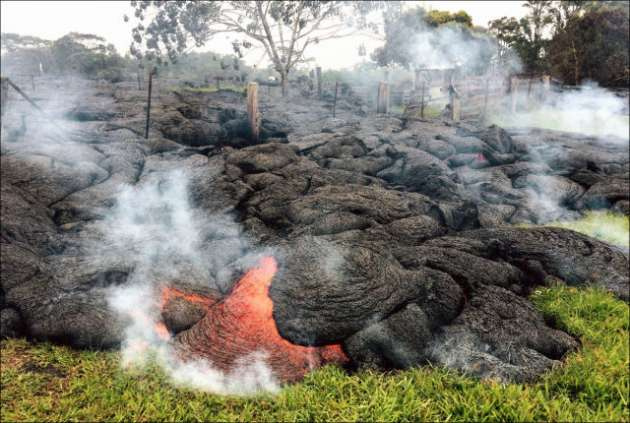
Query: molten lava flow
(243, 324)
(162, 331)
(170, 293)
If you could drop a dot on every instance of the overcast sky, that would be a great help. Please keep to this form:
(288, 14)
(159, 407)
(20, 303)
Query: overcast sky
(53, 19)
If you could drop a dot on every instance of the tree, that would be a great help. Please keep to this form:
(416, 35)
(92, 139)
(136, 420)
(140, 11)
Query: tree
(436, 18)
(24, 53)
(284, 29)
(525, 36)
(87, 54)
(11, 42)
(593, 44)
(565, 11)
(415, 38)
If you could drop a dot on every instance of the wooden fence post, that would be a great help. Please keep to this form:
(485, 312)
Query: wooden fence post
(422, 100)
(416, 79)
(514, 90)
(140, 80)
(311, 82)
(335, 100)
(146, 129)
(318, 72)
(382, 101)
(455, 103)
(485, 100)
(546, 86)
(4, 95)
(252, 110)
(218, 82)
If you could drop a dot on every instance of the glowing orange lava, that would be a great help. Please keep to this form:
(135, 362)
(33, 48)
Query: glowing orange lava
(162, 331)
(170, 293)
(243, 323)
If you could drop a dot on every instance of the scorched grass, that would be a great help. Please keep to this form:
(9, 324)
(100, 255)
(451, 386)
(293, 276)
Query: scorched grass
(48, 382)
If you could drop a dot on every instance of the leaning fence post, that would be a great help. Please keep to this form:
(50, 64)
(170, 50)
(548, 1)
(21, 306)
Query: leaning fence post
(4, 95)
(146, 130)
(455, 102)
(252, 110)
(382, 101)
(335, 100)
(318, 72)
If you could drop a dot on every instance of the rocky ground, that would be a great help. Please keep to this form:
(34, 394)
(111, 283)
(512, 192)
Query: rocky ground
(395, 238)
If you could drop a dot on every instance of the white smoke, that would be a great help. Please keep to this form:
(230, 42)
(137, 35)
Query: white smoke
(45, 130)
(446, 47)
(165, 239)
(589, 110)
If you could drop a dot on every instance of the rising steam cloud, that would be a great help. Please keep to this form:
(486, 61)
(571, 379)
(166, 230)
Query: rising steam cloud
(589, 110)
(165, 239)
(446, 47)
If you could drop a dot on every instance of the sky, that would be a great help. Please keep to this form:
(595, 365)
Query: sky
(53, 19)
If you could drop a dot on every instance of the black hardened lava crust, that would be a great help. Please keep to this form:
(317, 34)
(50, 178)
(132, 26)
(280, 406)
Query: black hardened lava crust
(396, 239)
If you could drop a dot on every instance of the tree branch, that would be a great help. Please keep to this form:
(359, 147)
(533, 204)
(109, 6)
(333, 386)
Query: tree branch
(270, 40)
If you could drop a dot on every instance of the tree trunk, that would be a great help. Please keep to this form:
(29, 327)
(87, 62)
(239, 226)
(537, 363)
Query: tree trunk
(284, 82)
(577, 64)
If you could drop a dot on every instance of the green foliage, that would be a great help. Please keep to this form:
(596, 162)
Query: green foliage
(282, 29)
(89, 55)
(436, 18)
(589, 40)
(85, 54)
(593, 45)
(24, 53)
(13, 42)
(525, 36)
(415, 33)
(200, 66)
(47, 382)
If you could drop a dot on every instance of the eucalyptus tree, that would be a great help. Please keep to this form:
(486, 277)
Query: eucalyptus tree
(283, 29)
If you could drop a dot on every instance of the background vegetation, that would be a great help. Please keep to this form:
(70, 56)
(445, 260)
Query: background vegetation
(573, 40)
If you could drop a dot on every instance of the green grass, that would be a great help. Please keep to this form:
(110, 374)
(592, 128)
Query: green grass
(430, 112)
(47, 382)
(605, 225)
(213, 88)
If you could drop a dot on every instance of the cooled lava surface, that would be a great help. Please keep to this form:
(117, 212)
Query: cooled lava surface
(395, 240)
